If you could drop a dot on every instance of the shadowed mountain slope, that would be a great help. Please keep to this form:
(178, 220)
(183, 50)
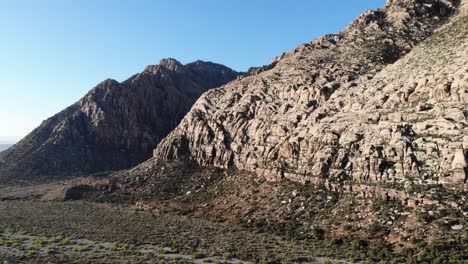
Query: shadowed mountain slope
(114, 126)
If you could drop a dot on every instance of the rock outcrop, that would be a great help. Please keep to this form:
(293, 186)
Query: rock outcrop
(116, 125)
(383, 101)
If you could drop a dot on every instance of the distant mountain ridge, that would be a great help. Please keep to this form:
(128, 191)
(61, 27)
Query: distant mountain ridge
(116, 125)
(4, 146)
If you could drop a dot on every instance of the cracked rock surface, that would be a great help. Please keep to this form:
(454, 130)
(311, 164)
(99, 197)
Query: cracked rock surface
(384, 100)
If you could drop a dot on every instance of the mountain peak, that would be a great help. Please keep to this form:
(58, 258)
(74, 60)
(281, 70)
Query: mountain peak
(171, 64)
(166, 63)
(115, 125)
(281, 123)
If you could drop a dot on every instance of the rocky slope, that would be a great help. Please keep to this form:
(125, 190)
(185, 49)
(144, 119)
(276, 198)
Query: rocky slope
(116, 125)
(382, 101)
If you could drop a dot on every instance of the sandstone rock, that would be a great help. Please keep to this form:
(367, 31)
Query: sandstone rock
(344, 106)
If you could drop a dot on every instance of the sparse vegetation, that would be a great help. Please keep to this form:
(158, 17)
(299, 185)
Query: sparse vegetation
(65, 241)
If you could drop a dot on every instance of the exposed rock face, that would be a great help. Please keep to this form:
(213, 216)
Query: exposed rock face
(384, 100)
(116, 125)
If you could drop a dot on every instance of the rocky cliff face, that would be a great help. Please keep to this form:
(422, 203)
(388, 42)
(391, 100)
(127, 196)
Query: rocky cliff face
(116, 125)
(383, 101)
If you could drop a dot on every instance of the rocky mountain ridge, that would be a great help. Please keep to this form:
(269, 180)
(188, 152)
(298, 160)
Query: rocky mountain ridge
(383, 101)
(114, 126)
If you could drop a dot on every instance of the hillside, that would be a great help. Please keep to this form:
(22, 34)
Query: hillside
(369, 104)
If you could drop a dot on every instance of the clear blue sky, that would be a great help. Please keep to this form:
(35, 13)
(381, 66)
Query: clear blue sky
(53, 51)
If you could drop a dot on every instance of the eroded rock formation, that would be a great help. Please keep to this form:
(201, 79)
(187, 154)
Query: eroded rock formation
(384, 100)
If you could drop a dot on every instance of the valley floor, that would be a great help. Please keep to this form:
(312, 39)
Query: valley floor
(83, 232)
(189, 214)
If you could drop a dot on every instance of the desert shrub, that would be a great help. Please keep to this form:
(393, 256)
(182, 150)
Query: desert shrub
(198, 255)
(49, 250)
(318, 233)
(336, 241)
(358, 244)
(37, 243)
(113, 247)
(65, 241)
(82, 248)
(453, 251)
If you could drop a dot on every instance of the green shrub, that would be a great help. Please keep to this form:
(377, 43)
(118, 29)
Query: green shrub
(49, 250)
(83, 248)
(358, 244)
(113, 247)
(65, 241)
(37, 243)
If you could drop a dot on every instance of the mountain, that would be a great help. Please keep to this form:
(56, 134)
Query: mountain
(356, 141)
(353, 146)
(4, 146)
(383, 101)
(115, 125)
